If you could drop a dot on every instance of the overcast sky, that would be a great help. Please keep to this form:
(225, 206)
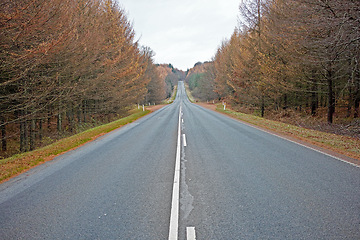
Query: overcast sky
(182, 32)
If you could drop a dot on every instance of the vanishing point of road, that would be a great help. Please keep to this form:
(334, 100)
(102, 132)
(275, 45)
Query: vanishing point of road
(185, 172)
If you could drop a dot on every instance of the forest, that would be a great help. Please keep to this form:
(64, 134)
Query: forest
(67, 65)
(300, 55)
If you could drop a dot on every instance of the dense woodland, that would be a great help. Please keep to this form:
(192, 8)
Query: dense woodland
(288, 54)
(67, 65)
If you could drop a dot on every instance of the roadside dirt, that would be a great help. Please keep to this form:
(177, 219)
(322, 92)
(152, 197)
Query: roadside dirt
(207, 105)
(155, 108)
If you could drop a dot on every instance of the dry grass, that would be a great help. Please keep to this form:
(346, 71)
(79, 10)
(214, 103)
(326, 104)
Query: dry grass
(173, 96)
(189, 94)
(20, 163)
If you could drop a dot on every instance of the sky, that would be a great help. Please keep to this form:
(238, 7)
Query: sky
(182, 32)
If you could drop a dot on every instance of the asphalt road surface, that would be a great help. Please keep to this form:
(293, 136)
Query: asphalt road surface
(188, 171)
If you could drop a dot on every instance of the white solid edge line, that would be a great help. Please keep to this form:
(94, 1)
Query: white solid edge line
(184, 140)
(316, 150)
(174, 216)
(190, 233)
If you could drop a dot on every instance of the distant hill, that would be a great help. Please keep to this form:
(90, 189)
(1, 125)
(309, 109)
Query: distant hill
(200, 80)
(170, 75)
(199, 67)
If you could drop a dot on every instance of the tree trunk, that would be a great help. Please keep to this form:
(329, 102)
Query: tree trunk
(49, 120)
(32, 134)
(70, 117)
(22, 131)
(41, 129)
(314, 98)
(262, 106)
(357, 101)
(79, 113)
(59, 122)
(356, 106)
(350, 102)
(26, 134)
(285, 102)
(331, 100)
(3, 135)
(84, 110)
(357, 97)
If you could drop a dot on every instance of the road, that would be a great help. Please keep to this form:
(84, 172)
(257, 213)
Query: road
(235, 182)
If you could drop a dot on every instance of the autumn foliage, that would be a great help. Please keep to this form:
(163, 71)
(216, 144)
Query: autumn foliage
(65, 63)
(298, 54)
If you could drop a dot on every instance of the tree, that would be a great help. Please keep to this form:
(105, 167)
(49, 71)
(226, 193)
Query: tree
(156, 86)
(292, 53)
(62, 59)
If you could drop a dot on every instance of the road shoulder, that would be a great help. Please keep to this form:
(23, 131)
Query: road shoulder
(334, 151)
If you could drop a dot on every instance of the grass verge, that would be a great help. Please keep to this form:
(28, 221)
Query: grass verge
(188, 93)
(20, 163)
(173, 96)
(347, 146)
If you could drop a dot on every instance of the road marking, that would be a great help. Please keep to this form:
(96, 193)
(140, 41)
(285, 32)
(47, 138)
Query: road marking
(174, 216)
(300, 144)
(287, 139)
(303, 145)
(184, 140)
(190, 233)
(319, 151)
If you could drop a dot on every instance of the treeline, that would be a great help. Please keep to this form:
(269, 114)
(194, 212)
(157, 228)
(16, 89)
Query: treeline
(171, 76)
(65, 63)
(301, 54)
(201, 81)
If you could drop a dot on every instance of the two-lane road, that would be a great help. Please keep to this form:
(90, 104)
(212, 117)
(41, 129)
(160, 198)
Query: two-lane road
(236, 182)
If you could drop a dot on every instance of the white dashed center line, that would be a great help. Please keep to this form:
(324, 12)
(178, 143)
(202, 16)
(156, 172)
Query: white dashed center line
(184, 140)
(190, 233)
